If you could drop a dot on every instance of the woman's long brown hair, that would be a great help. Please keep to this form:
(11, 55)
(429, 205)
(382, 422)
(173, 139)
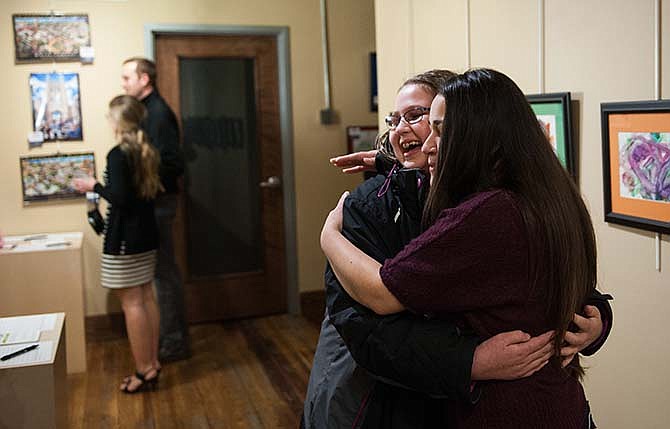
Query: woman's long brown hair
(491, 139)
(127, 113)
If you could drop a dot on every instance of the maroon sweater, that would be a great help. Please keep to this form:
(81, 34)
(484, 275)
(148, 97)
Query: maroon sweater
(473, 263)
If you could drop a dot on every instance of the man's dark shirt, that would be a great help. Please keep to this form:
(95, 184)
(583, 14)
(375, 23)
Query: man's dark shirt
(163, 132)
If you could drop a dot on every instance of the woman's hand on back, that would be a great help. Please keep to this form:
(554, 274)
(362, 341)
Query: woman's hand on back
(511, 355)
(590, 328)
(356, 162)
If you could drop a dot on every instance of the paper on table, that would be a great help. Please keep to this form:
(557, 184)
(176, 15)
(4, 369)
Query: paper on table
(41, 354)
(25, 329)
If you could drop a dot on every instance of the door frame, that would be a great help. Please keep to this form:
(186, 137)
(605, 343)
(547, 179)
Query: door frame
(281, 34)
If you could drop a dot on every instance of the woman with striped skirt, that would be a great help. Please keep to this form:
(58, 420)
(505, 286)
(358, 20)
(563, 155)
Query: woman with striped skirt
(131, 235)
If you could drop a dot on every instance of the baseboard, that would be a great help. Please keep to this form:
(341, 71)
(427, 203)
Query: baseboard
(110, 326)
(104, 327)
(313, 304)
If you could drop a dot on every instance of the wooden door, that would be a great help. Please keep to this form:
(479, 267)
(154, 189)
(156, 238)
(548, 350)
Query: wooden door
(229, 231)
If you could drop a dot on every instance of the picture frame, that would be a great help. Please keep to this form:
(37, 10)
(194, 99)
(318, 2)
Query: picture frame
(636, 164)
(374, 98)
(53, 37)
(49, 177)
(555, 115)
(56, 105)
(361, 138)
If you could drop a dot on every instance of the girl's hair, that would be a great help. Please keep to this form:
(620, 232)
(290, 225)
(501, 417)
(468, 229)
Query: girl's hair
(491, 139)
(431, 81)
(127, 113)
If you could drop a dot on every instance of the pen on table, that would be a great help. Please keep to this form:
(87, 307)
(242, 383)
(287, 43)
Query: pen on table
(19, 352)
(58, 243)
(35, 237)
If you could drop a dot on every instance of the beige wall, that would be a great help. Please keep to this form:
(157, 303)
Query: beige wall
(600, 50)
(117, 32)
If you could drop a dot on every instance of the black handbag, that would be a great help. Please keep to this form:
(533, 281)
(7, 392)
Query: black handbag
(95, 219)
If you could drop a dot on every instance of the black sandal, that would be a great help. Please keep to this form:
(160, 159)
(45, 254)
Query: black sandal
(145, 385)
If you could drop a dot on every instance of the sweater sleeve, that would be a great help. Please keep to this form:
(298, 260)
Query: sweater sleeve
(474, 256)
(118, 188)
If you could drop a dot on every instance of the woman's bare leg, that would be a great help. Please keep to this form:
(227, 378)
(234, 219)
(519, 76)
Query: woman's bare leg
(139, 330)
(154, 320)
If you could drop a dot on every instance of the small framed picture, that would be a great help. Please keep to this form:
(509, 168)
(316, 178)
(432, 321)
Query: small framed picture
(56, 105)
(636, 164)
(49, 177)
(554, 113)
(374, 103)
(361, 138)
(39, 38)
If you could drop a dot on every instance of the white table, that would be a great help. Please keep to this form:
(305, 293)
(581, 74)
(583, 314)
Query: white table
(34, 395)
(39, 275)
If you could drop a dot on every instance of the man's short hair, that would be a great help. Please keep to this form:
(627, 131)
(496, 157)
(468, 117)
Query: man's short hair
(144, 65)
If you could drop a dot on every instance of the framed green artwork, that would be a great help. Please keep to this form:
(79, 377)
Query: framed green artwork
(553, 112)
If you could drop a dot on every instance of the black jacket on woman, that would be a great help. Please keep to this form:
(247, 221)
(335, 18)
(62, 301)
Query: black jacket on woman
(130, 226)
(393, 371)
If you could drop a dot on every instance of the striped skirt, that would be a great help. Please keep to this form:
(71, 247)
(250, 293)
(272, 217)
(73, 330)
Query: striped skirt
(121, 271)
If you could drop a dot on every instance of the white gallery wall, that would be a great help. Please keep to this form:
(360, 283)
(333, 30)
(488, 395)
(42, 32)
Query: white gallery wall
(600, 51)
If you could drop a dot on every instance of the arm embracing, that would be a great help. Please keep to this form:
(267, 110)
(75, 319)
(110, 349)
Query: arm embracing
(357, 272)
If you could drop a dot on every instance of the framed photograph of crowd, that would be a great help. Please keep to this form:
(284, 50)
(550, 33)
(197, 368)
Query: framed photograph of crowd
(49, 177)
(50, 37)
(636, 164)
(554, 113)
(56, 105)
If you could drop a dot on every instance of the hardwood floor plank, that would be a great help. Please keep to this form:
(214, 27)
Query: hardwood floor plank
(245, 374)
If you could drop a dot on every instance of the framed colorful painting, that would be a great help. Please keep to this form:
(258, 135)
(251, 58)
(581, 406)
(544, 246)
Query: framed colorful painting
(636, 164)
(49, 177)
(554, 113)
(56, 105)
(50, 37)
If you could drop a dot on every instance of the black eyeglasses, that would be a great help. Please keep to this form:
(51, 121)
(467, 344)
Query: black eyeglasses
(412, 116)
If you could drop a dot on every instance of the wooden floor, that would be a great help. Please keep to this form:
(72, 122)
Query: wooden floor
(243, 374)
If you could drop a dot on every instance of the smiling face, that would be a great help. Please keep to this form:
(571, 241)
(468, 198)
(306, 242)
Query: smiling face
(432, 143)
(407, 139)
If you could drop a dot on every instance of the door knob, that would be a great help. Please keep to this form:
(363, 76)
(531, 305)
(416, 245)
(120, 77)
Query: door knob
(272, 182)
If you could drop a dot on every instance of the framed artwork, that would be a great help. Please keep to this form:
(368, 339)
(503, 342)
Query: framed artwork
(49, 177)
(361, 138)
(50, 37)
(374, 104)
(554, 113)
(56, 105)
(636, 164)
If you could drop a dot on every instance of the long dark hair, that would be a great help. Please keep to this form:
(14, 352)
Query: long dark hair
(127, 114)
(491, 139)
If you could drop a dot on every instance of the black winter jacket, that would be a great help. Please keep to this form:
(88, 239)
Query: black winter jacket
(394, 371)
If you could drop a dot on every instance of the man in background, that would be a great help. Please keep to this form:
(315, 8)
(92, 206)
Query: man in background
(139, 80)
